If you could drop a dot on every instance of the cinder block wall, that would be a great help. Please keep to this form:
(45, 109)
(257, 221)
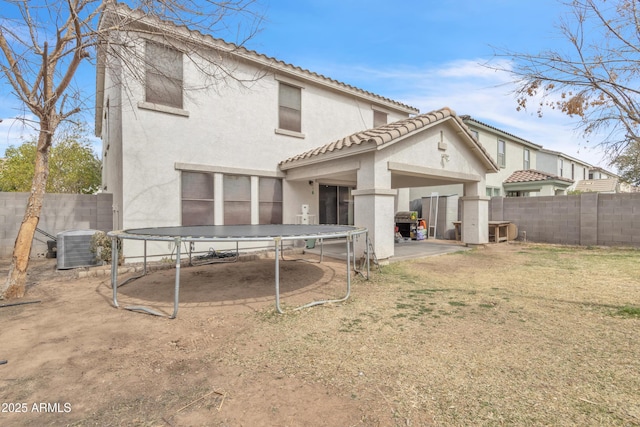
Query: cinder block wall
(60, 212)
(585, 219)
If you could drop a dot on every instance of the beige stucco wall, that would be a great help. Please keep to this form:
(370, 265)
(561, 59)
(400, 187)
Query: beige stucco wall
(230, 128)
(514, 157)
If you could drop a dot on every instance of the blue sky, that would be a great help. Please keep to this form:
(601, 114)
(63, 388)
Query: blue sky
(425, 53)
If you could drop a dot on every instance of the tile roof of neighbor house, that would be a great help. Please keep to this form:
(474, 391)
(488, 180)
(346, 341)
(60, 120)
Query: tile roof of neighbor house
(466, 117)
(531, 175)
(598, 185)
(267, 61)
(386, 134)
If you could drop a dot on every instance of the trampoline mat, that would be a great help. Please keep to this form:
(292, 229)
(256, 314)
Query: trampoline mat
(243, 231)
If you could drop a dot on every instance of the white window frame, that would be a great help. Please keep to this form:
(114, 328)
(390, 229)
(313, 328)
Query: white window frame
(502, 153)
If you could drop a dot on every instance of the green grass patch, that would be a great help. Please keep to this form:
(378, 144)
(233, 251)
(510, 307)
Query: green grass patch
(457, 303)
(351, 325)
(629, 311)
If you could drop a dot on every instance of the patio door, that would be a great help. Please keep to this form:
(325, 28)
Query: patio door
(336, 205)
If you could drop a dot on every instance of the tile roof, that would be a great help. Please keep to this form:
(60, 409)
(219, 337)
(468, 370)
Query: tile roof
(531, 175)
(386, 134)
(120, 12)
(467, 118)
(598, 185)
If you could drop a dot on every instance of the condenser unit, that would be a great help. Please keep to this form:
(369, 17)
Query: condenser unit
(74, 249)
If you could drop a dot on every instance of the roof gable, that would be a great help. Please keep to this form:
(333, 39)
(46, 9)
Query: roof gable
(123, 15)
(383, 136)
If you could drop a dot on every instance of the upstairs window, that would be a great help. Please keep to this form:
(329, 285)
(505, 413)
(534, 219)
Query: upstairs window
(379, 118)
(290, 108)
(526, 162)
(561, 168)
(501, 153)
(163, 80)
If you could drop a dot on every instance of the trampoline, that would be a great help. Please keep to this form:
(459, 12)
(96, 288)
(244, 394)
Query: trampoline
(273, 234)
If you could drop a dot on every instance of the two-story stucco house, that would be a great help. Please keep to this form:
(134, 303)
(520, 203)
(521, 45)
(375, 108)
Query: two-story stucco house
(183, 147)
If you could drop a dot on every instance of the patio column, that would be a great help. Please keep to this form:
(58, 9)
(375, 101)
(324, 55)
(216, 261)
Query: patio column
(374, 209)
(475, 215)
(374, 206)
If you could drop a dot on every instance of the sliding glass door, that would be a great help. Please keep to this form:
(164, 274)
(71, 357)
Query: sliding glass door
(336, 205)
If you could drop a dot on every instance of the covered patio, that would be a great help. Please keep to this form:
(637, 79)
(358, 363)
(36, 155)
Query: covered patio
(431, 149)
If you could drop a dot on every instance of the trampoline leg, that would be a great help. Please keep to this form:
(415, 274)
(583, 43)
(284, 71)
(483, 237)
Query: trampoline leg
(176, 292)
(114, 270)
(349, 241)
(277, 256)
(368, 244)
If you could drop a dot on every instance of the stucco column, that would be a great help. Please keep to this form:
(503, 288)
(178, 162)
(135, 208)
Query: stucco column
(374, 209)
(475, 215)
(374, 205)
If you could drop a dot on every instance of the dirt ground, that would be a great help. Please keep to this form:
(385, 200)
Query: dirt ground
(510, 334)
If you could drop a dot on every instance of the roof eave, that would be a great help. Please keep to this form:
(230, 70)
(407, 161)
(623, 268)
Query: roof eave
(266, 62)
(508, 135)
(325, 157)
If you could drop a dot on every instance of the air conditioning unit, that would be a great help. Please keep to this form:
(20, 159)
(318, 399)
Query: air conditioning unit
(74, 249)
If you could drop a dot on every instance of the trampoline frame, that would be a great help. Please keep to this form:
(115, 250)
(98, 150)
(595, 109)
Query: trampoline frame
(346, 232)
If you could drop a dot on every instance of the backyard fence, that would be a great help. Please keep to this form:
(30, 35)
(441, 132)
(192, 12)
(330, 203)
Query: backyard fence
(60, 212)
(586, 219)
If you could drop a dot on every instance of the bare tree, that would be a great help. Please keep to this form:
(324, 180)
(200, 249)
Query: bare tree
(596, 80)
(45, 43)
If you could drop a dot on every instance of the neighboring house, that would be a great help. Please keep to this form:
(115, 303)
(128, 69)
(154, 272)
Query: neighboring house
(598, 186)
(599, 173)
(511, 153)
(602, 181)
(561, 165)
(528, 183)
(178, 152)
(527, 169)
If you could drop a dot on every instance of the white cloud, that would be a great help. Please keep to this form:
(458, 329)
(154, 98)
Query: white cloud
(473, 88)
(469, 87)
(13, 132)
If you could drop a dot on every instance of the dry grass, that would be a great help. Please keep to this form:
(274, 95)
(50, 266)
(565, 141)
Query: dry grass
(517, 335)
(507, 335)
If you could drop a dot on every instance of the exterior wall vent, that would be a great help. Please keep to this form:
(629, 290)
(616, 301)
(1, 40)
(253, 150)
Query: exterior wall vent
(74, 249)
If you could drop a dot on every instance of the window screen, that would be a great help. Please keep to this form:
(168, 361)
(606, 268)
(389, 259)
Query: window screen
(197, 198)
(290, 108)
(270, 196)
(163, 75)
(237, 199)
